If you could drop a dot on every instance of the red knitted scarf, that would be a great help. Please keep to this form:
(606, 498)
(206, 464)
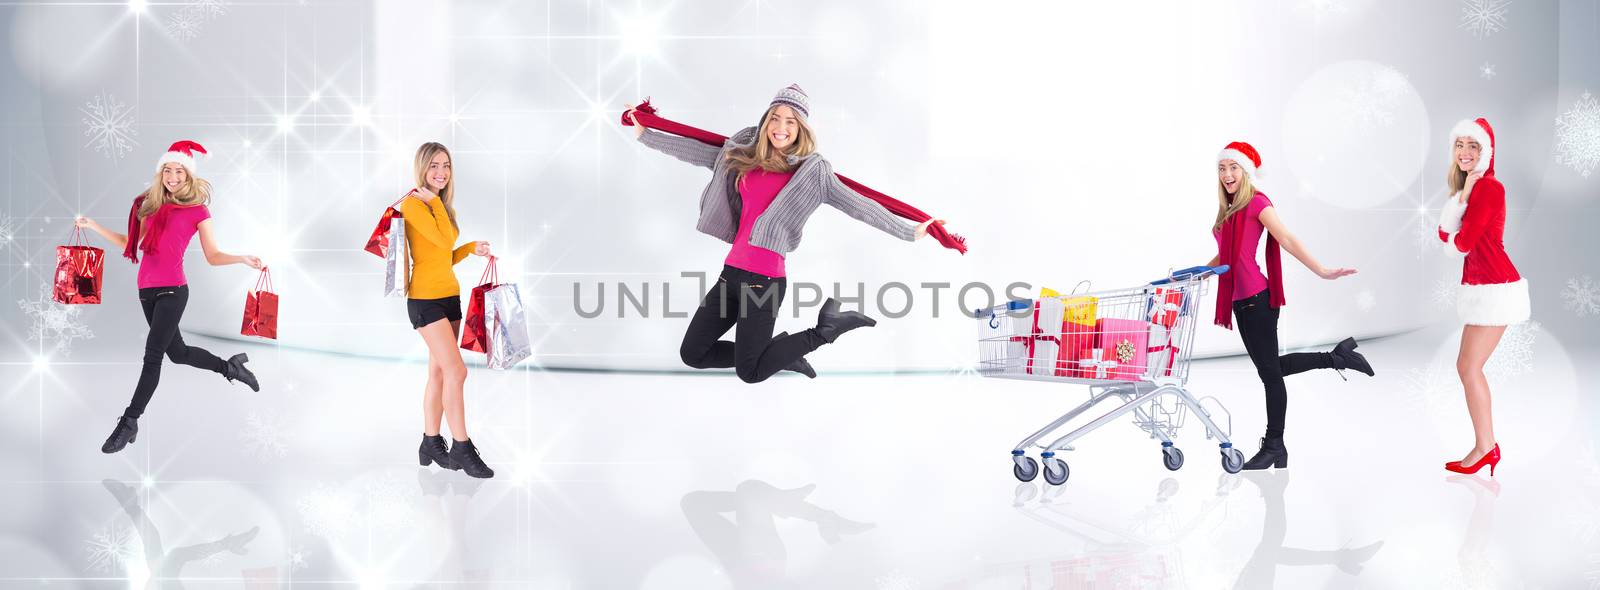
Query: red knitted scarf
(155, 223)
(646, 114)
(1233, 229)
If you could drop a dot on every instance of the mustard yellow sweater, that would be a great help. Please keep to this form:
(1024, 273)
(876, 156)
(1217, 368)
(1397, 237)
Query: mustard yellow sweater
(430, 236)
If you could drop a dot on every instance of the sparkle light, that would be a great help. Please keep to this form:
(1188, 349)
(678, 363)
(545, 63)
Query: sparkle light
(138, 6)
(640, 34)
(360, 116)
(285, 123)
(41, 363)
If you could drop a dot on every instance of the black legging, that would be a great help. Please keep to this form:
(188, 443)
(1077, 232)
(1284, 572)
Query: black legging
(1258, 327)
(163, 308)
(750, 301)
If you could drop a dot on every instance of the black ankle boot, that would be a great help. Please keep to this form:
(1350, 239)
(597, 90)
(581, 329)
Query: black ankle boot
(1272, 454)
(800, 365)
(434, 451)
(127, 431)
(831, 322)
(234, 370)
(1345, 357)
(464, 455)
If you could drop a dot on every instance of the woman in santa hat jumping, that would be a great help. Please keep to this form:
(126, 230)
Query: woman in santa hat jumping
(162, 222)
(1492, 294)
(766, 181)
(1243, 214)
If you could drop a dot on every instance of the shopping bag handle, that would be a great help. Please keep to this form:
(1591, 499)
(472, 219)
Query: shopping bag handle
(491, 273)
(1191, 273)
(77, 236)
(265, 278)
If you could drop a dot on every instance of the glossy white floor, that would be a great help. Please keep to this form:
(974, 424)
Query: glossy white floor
(699, 481)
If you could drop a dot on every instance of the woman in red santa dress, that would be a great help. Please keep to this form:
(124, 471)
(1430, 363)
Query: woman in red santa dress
(1492, 295)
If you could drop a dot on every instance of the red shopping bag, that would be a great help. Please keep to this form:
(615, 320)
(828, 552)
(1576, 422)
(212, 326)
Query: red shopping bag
(79, 268)
(474, 330)
(379, 242)
(261, 309)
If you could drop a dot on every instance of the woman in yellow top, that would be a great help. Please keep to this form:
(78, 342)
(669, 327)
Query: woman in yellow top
(434, 304)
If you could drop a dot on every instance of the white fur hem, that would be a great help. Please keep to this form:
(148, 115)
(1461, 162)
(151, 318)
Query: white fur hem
(1500, 304)
(1450, 215)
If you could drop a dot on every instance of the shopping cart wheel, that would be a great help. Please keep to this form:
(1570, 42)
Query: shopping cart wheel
(1055, 471)
(1172, 457)
(1025, 473)
(1232, 460)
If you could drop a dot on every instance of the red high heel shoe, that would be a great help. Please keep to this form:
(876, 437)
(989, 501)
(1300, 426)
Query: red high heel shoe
(1491, 458)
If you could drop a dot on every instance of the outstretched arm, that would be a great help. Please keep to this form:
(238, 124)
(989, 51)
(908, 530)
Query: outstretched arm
(866, 210)
(116, 239)
(689, 150)
(216, 257)
(1269, 219)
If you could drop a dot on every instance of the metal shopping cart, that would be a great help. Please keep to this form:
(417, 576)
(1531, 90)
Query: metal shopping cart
(1132, 345)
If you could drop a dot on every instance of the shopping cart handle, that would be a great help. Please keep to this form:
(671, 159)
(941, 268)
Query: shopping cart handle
(1193, 272)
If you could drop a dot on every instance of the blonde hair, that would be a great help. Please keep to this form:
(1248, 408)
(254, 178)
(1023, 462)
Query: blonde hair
(762, 155)
(447, 195)
(1456, 178)
(1225, 208)
(195, 191)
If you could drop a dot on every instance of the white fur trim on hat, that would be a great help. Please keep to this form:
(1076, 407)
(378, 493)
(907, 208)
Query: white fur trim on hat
(185, 160)
(1500, 304)
(1471, 128)
(1243, 161)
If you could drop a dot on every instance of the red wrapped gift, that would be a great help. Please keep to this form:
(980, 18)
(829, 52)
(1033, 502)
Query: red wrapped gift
(1162, 353)
(261, 309)
(1165, 306)
(1077, 340)
(474, 330)
(1098, 364)
(79, 268)
(1127, 342)
(378, 242)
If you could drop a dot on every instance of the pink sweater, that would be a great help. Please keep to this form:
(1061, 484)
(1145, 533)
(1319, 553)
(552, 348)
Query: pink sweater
(756, 193)
(1247, 277)
(162, 265)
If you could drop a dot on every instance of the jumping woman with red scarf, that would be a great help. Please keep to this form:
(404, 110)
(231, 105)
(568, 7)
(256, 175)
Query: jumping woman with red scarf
(164, 219)
(766, 181)
(1243, 214)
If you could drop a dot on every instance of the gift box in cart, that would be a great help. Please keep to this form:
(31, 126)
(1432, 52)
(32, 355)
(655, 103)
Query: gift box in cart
(1139, 357)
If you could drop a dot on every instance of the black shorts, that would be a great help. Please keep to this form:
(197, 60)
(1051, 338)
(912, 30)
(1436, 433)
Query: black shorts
(427, 311)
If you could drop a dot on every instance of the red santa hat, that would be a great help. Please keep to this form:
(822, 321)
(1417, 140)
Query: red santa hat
(183, 153)
(1246, 156)
(1477, 130)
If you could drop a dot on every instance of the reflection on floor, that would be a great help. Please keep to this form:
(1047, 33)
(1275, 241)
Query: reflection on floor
(649, 481)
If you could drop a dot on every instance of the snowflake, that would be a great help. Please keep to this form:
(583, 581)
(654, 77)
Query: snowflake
(263, 436)
(109, 125)
(1366, 300)
(1582, 296)
(1444, 293)
(1514, 355)
(1578, 135)
(383, 504)
(1428, 387)
(1370, 102)
(114, 547)
(1487, 71)
(8, 231)
(299, 559)
(185, 24)
(54, 324)
(209, 8)
(327, 512)
(895, 580)
(1483, 17)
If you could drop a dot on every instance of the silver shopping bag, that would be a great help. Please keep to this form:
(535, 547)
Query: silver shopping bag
(507, 324)
(397, 263)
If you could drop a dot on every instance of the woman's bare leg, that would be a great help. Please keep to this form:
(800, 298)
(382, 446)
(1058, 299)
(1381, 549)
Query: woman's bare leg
(1477, 345)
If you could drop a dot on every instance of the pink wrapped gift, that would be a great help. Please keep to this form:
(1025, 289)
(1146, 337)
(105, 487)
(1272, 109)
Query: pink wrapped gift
(1128, 343)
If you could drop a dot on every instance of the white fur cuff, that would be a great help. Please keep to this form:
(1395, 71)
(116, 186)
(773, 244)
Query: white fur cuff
(1450, 216)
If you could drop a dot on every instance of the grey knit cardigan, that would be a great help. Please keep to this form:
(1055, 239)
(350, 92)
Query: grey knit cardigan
(779, 227)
